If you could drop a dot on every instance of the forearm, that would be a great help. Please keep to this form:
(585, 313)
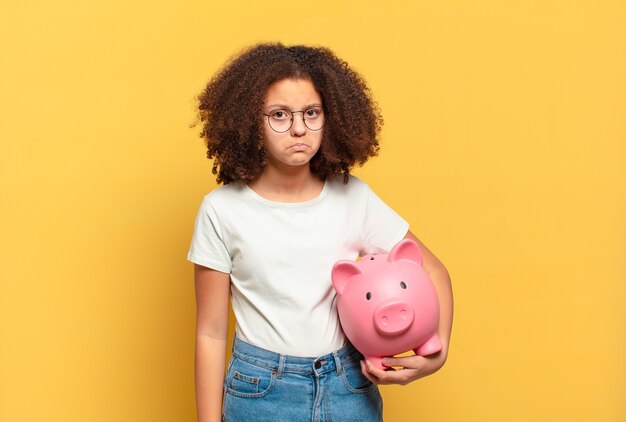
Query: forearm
(209, 377)
(438, 274)
(212, 291)
(443, 286)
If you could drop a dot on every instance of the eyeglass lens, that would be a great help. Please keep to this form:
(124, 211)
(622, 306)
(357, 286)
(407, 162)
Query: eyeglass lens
(281, 120)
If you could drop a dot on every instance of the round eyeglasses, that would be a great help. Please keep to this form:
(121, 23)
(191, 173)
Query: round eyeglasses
(281, 120)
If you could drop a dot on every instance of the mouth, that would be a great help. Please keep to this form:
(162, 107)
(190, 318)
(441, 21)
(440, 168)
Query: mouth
(299, 147)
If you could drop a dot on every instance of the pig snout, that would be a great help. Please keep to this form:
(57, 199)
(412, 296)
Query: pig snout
(393, 317)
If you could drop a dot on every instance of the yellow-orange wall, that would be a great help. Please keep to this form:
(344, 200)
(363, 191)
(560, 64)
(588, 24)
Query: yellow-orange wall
(504, 146)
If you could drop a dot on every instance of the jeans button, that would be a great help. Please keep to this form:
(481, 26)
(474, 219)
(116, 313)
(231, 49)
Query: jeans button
(317, 365)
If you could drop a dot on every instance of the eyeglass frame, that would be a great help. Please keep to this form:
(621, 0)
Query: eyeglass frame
(292, 118)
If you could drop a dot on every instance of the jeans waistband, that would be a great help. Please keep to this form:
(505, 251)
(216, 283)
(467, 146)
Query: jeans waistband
(280, 363)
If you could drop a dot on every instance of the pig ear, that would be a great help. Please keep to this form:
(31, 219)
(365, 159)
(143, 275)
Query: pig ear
(406, 249)
(342, 272)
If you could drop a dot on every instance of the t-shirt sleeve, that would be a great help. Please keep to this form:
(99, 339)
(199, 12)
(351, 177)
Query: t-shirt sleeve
(382, 226)
(207, 245)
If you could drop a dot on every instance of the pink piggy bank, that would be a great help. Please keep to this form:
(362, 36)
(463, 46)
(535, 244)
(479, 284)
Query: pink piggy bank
(387, 304)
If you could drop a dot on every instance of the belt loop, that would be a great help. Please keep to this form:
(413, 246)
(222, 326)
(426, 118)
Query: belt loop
(281, 367)
(338, 365)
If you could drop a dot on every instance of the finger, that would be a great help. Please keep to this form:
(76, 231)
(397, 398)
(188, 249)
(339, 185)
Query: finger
(388, 376)
(376, 372)
(412, 362)
(402, 377)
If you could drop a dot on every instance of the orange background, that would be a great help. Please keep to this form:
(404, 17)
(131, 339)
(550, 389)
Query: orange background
(504, 146)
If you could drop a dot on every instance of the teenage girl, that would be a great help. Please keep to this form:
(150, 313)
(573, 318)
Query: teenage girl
(284, 126)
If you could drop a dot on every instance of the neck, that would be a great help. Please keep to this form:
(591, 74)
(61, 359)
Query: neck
(287, 183)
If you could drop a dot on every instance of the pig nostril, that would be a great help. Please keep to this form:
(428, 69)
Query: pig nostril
(385, 321)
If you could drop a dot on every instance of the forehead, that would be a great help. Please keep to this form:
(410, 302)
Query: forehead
(292, 93)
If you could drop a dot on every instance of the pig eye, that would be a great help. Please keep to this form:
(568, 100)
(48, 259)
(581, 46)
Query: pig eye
(403, 284)
(368, 296)
(372, 258)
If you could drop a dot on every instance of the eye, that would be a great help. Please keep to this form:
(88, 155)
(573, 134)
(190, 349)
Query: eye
(279, 115)
(312, 113)
(368, 296)
(403, 284)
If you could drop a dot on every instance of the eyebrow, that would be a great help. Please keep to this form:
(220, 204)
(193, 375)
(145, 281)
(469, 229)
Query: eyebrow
(283, 106)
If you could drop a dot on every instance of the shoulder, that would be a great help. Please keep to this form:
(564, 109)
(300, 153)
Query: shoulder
(354, 187)
(224, 195)
(354, 183)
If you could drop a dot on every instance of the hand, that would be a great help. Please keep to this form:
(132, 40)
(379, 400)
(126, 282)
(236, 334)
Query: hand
(410, 369)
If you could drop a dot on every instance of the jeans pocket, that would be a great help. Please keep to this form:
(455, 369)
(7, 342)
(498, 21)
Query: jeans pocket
(354, 380)
(245, 379)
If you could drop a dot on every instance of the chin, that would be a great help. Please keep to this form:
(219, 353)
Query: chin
(298, 162)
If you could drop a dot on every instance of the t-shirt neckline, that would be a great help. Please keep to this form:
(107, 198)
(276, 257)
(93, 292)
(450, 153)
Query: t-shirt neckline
(258, 197)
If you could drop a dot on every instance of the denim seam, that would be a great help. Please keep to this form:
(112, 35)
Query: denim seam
(364, 390)
(254, 361)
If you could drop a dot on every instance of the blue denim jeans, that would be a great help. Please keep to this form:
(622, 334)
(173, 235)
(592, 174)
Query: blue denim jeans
(265, 386)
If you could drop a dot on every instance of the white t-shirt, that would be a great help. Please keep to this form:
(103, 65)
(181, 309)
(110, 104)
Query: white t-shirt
(280, 255)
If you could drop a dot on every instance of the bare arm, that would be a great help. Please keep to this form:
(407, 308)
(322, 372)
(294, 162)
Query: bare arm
(415, 367)
(212, 293)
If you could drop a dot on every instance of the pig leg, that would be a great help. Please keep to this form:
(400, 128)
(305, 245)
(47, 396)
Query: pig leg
(433, 345)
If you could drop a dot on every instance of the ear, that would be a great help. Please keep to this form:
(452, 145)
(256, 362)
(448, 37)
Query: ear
(406, 249)
(342, 272)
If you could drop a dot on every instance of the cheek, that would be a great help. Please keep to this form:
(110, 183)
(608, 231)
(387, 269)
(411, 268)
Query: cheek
(317, 136)
(318, 139)
(270, 137)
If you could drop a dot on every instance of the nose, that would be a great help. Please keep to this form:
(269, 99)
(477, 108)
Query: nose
(298, 128)
(393, 317)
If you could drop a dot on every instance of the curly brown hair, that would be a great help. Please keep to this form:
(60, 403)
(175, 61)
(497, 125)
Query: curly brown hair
(230, 110)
